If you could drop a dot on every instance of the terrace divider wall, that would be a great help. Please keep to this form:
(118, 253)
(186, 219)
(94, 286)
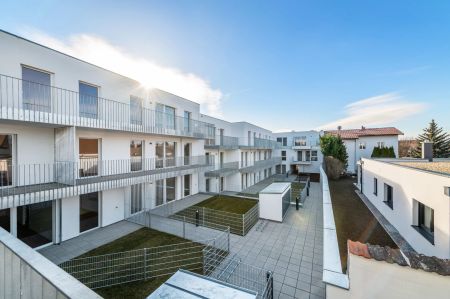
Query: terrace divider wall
(239, 224)
(207, 249)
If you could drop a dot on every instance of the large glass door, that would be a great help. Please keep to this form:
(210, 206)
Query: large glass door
(35, 223)
(6, 160)
(5, 219)
(88, 156)
(170, 189)
(136, 155)
(89, 211)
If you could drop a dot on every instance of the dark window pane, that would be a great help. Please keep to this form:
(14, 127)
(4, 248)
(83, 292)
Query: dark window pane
(136, 155)
(170, 189)
(36, 90)
(159, 192)
(88, 211)
(187, 185)
(6, 160)
(88, 100)
(34, 224)
(5, 221)
(136, 198)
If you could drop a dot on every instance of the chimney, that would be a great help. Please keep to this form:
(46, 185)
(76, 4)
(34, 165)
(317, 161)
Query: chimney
(427, 150)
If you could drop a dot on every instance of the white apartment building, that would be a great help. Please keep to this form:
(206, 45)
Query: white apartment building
(243, 155)
(82, 147)
(414, 196)
(300, 153)
(361, 142)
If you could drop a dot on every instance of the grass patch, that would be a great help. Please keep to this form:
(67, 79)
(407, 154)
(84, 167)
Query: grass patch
(229, 204)
(353, 219)
(187, 255)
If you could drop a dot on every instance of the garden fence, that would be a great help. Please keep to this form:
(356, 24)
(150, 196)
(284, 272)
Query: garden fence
(240, 224)
(142, 264)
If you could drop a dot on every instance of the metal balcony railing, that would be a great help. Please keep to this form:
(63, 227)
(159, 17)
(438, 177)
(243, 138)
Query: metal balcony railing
(223, 141)
(261, 164)
(221, 169)
(33, 102)
(19, 180)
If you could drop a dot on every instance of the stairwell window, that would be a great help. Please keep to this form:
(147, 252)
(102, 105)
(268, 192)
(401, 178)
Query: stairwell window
(388, 196)
(313, 155)
(283, 155)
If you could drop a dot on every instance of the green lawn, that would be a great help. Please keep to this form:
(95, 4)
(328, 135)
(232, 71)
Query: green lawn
(353, 219)
(228, 204)
(187, 256)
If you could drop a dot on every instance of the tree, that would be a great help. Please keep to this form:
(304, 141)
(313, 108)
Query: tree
(333, 146)
(440, 139)
(383, 152)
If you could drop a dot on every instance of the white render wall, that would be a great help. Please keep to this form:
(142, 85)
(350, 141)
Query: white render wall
(68, 71)
(355, 154)
(408, 185)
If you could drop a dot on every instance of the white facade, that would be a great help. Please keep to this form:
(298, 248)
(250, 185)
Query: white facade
(363, 146)
(76, 161)
(300, 152)
(243, 155)
(411, 188)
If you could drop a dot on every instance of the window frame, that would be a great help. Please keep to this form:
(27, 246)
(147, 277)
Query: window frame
(388, 201)
(420, 226)
(375, 186)
(283, 155)
(315, 157)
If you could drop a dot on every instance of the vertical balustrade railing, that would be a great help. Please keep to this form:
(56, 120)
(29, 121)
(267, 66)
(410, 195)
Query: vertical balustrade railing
(29, 101)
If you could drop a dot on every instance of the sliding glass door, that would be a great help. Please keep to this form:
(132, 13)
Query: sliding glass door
(89, 211)
(35, 224)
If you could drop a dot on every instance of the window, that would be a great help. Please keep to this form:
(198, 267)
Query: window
(242, 159)
(88, 100)
(380, 144)
(283, 155)
(283, 168)
(136, 110)
(249, 137)
(187, 154)
(136, 198)
(362, 145)
(159, 192)
(5, 220)
(35, 224)
(388, 196)
(300, 141)
(299, 156)
(89, 211)
(170, 189)
(6, 160)
(425, 221)
(159, 152)
(207, 185)
(170, 148)
(36, 90)
(187, 121)
(187, 185)
(165, 116)
(375, 186)
(282, 140)
(313, 155)
(136, 155)
(88, 156)
(165, 154)
(222, 183)
(308, 156)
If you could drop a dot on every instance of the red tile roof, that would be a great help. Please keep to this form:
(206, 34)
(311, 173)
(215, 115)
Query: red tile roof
(356, 133)
(413, 260)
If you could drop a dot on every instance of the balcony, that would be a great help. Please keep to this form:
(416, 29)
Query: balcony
(305, 145)
(27, 101)
(261, 164)
(223, 169)
(258, 143)
(222, 142)
(27, 184)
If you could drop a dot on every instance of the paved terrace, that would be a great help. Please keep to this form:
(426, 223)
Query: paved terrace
(292, 249)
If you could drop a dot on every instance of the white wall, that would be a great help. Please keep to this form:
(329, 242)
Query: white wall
(408, 185)
(371, 279)
(70, 217)
(68, 71)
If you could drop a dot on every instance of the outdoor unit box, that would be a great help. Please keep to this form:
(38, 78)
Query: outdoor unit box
(274, 201)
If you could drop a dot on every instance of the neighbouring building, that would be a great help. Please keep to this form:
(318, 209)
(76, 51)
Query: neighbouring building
(361, 142)
(414, 197)
(300, 153)
(243, 155)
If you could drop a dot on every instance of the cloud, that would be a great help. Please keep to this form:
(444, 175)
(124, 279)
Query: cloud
(379, 110)
(100, 52)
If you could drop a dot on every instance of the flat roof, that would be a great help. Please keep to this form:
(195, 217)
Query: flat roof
(185, 284)
(276, 188)
(438, 166)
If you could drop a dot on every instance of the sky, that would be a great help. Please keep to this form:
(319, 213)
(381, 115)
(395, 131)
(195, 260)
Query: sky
(283, 65)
